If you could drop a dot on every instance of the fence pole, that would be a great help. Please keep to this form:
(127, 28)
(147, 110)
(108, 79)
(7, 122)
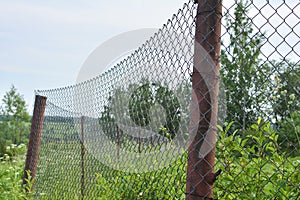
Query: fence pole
(34, 140)
(82, 157)
(200, 170)
(119, 142)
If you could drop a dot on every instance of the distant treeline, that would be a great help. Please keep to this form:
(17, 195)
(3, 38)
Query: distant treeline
(60, 119)
(2, 117)
(51, 119)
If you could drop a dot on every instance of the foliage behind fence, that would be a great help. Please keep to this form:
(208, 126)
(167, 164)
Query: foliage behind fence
(97, 138)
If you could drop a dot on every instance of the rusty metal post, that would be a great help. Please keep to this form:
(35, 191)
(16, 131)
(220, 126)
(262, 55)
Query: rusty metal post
(34, 139)
(200, 170)
(140, 142)
(82, 157)
(118, 142)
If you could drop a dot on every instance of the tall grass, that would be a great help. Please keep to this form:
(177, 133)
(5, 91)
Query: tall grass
(11, 173)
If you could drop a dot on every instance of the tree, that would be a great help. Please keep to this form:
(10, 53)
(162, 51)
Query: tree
(242, 71)
(145, 105)
(108, 123)
(286, 95)
(259, 88)
(285, 101)
(14, 127)
(154, 98)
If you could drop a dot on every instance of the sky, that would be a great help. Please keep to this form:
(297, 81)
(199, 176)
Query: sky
(43, 44)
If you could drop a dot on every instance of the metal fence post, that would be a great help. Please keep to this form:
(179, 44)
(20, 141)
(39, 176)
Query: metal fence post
(118, 142)
(200, 176)
(34, 139)
(82, 157)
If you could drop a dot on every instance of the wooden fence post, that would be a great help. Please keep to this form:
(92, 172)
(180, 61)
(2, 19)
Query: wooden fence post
(118, 142)
(82, 158)
(34, 139)
(200, 170)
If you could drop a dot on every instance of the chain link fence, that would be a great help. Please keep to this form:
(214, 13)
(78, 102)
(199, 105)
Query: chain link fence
(207, 108)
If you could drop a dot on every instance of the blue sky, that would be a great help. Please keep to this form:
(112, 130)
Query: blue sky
(43, 44)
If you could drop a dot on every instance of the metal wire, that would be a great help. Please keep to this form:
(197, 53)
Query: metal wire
(125, 134)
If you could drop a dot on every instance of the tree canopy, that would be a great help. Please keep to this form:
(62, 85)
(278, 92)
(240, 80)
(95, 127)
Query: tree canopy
(14, 126)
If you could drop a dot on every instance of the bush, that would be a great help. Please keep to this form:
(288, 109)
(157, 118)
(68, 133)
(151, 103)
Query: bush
(253, 167)
(11, 173)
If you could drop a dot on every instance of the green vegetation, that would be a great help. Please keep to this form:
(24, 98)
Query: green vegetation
(285, 101)
(15, 122)
(256, 86)
(252, 167)
(11, 173)
(243, 72)
(153, 98)
(256, 171)
(259, 156)
(14, 134)
(144, 102)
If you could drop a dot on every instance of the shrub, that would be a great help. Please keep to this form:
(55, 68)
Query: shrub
(253, 167)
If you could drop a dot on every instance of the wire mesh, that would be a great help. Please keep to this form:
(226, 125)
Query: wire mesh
(259, 152)
(125, 134)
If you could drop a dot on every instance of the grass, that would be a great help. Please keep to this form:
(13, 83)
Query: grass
(258, 170)
(11, 173)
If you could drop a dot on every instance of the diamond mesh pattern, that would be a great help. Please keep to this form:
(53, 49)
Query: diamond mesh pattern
(113, 137)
